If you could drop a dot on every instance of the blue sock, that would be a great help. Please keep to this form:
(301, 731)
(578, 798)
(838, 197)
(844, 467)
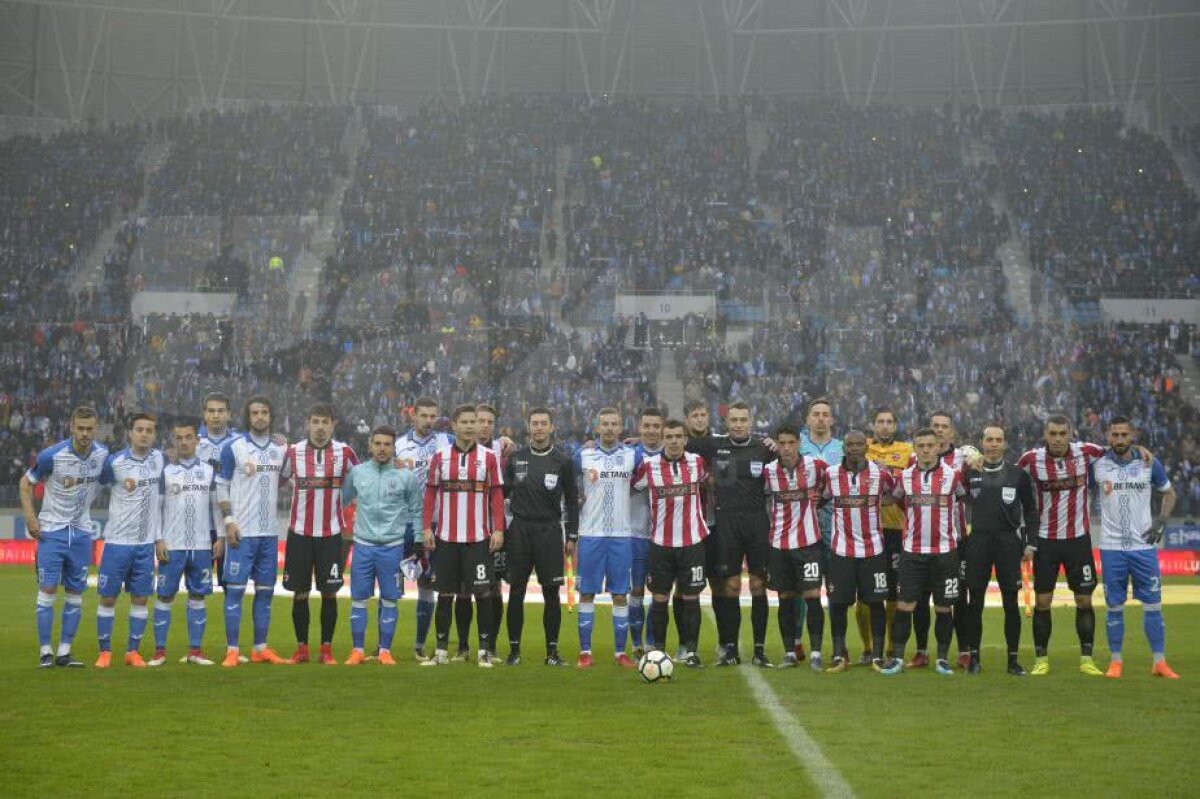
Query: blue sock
(387, 622)
(358, 623)
(162, 623)
(425, 606)
(262, 615)
(587, 619)
(1114, 628)
(233, 613)
(72, 614)
(138, 616)
(637, 620)
(45, 618)
(620, 628)
(197, 618)
(1156, 631)
(104, 627)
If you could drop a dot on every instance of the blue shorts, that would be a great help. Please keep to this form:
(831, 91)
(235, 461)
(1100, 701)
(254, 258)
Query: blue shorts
(1140, 565)
(130, 566)
(63, 557)
(195, 565)
(376, 564)
(640, 562)
(253, 559)
(604, 562)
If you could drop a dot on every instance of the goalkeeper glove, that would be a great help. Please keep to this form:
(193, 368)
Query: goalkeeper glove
(1155, 533)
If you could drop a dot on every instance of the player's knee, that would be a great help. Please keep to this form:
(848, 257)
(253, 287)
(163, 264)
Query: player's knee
(1007, 598)
(77, 599)
(592, 598)
(660, 599)
(1121, 608)
(619, 601)
(195, 603)
(358, 604)
(108, 601)
(300, 596)
(425, 594)
(1083, 601)
(390, 604)
(1044, 601)
(139, 601)
(45, 599)
(166, 601)
(758, 585)
(786, 595)
(906, 607)
(690, 597)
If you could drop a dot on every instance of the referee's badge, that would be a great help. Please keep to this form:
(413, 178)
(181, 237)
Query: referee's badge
(756, 468)
(550, 481)
(975, 492)
(1008, 494)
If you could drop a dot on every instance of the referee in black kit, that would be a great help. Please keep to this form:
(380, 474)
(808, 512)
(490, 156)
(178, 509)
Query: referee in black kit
(1004, 518)
(539, 479)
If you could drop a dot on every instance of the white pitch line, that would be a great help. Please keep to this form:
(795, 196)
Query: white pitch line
(804, 748)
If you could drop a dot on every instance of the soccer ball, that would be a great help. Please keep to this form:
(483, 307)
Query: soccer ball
(972, 456)
(656, 665)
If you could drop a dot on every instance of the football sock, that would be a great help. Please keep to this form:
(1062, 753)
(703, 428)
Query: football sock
(1156, 631)
(162, 622)
(760, 612)
(233, 613)
(45, 617)
(487, 605)
(878, 619)
(442, 618)
(801, 610)
(720, 609)
(462, 621)
(637, 619)
(943, 630)
(197, 620)
(837, 626)
(920, 623)
(961, 619)
(300, 618)
(261, 610)
(516, 612)
(388, 616)
(72, 614)
(660, 614)
(358, 623)
(1012, 627)
(425, 610)
(787, 624)
(1041, 631)
(497, 619)
(329, 617)
(620, 621)
(814, 616)
(974, 633)
(104, 627)
(587, 620)
(677, 612)
(551, 617)
(891, 614)
(138, 616)
(862, 619)
(1085, 628)
(901, 626)
(691, 615)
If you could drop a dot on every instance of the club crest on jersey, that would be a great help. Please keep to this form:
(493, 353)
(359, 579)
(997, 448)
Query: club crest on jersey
(1008, 494)
(550, 481)
(234, 567)
(176, 489)
(1107, 487)
(756, 468)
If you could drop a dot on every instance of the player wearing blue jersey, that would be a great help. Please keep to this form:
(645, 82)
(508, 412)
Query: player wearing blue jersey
(70, 471)
(650, 431)
(252, 467)
(214, 435)
(1129, 536)
(184, 549)
(605, 473)
(134, 525)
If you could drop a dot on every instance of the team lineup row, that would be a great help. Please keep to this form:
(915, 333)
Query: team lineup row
(881, 524)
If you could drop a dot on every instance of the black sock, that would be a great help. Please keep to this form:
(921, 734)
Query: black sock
(720, 607)
(814, 620)
(441, 620)
(677, 612)
(660, 614)
(760, 613)
(975, 619)
(462, 621)
(329, 616)
(691, 615)
(486, 604)
(920, 623)
(300, 616)
(497, 619)
(943, 630)
(1041, 632)
(1012, 626)
(1085, 628)
(878, 628)
(961, 620)
(787, 623)
(516, 614)
(551, 619)
(901, 626)
(837, 627)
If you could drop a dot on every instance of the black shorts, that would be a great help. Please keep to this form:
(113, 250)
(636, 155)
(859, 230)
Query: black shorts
(534, 545)
(922, 574)
(795, 571)
(981, 552)
(461, 568)
(679, 568)
(851, 579)
(305, 555)
(893, 545)
(1073, 555)
(500, 561)
(740, 536)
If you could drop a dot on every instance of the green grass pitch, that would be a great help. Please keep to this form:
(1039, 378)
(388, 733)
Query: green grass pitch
(531, 730)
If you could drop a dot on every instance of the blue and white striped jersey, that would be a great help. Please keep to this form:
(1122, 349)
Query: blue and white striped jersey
(71, 484)
(639, 501)
(208, 448)
(415, 453)
(189, 504)
(1125, 500)
(253, 471)
(135, 501)
(605, 476)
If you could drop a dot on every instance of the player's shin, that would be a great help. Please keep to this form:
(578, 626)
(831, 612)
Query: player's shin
(162, 623)
(862, 620)
(660, 614)
(262, 615)
(105, 614)
(497, 617)
(72, 614)
(1085, 628)
(814, 617)
(486, 603)
(691, 615)
(516, 614)
(837, 627)
(901, 628)
(551, 618)
(463, 613)
(1042, 626)
(1155, 629)
(760, 612)
(300, 619)
(587, 620)
(329, 617)
(974, 614)
(943, 630)
(425, 612)
(197, 620)
(442, 618)
(787, 623)
(620, 620)
(920, 623)
(677, 608)
(637, 619)
(233, 613)
(1114, 630)
(45, 619)
(138, 616)
(388, 615)
(358, 623)
(878, 627)
(1012, 626)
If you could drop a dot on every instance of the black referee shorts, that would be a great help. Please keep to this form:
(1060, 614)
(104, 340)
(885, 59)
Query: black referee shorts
(534, 545)
(1072, 555)
(678, 568)
(304, 556)
(929, 573)
(458, 566)
(740, 537)
(982, 552)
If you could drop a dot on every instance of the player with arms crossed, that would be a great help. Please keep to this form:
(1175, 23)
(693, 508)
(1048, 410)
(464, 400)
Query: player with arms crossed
(676, 563)
(1129, 535)
(252, 466)
(63, 529)
(184, 550)
(650, 430)
(134, 525)
(319, 466)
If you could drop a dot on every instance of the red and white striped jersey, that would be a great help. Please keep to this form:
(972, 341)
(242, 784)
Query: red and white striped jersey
(931, 500)
(957, 461)
(1061, 485)
(676, 507)
(317, 477)
(794, 496)
(857, 532)
(464, 494)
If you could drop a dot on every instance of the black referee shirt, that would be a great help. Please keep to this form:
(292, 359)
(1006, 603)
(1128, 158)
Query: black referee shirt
(1000, 500)
(537, 483)
(736, 468)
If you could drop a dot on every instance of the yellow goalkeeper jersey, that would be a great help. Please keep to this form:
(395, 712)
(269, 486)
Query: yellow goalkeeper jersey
(896, 456)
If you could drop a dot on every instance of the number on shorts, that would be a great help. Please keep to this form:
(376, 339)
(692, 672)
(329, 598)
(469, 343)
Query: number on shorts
(812, 571)
(481, 572)
(697, 574)
(952, 586)
(205, 575)
(1154, 584)
(333, 571)
(1087, 572)
(880, 581)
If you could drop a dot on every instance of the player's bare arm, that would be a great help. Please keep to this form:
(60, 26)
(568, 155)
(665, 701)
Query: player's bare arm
(31, 520)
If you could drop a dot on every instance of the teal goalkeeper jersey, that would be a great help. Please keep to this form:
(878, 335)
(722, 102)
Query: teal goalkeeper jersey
(389, 500)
